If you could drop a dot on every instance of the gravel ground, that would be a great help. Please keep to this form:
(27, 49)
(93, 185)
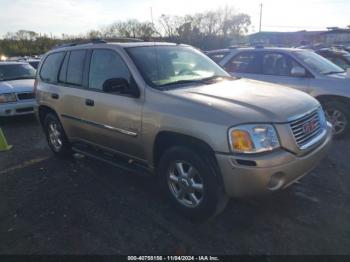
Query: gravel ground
(51, 206)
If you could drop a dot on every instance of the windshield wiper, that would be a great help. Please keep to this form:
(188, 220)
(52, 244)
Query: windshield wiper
(206, 81)
(182, 82)
(333, 72)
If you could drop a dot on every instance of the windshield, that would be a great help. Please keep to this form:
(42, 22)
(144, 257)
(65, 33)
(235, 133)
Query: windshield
(317, 63)
(16, 71)
(171, 65)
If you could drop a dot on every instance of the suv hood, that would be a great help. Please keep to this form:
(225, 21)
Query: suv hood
(17, 86)
(251, 101)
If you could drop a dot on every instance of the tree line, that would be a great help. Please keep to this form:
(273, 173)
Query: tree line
(207, 30)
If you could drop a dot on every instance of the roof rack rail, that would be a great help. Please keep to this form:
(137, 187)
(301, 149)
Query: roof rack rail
(99, 41)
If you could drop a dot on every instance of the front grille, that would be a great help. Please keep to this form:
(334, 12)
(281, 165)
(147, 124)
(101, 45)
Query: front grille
(25, 96)
(306, 128)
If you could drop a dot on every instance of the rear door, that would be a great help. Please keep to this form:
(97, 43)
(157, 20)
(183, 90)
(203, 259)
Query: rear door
(58, 94)
(113, 119)
(245, 64)
(71, 95)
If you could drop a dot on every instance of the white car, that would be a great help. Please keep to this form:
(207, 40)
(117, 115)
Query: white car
(17, 89)
(297, 68)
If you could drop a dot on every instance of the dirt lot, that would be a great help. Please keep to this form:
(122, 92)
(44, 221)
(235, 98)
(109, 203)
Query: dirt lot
(51, 206)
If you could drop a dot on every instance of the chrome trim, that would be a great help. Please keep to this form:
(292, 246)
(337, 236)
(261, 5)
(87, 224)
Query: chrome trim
(314, 140)
(110, 128)
(296, 117)
(322, 128)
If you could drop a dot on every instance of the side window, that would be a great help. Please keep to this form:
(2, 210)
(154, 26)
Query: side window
(51, 66)
(245, 62)
(277, 64)
(106, 64)
(75, 67)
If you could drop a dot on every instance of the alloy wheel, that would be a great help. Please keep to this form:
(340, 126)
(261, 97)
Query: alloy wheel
(186, 184)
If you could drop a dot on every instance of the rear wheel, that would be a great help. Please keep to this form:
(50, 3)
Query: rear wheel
(56, 136)
(338, 114)
(191, 183)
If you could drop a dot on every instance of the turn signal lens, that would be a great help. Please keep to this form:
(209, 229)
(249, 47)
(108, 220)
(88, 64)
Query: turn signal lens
(241, 141)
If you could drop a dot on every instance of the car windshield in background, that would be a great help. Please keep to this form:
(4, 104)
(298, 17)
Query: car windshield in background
(171, 65)
(318, 63)
(16, 71)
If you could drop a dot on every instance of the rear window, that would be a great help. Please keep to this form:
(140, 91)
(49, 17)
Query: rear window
(76, 67)
(51, 66)
(245, 62)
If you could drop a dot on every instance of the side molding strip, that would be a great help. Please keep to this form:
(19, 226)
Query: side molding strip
(111, 128)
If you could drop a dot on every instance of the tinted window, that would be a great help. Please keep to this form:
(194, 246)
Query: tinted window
(76, 67)
(51, 66)
(246, 62)
(106, 64)
(277, 64)
(16, 71)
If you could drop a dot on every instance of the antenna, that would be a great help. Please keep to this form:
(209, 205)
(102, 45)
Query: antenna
(261, 9)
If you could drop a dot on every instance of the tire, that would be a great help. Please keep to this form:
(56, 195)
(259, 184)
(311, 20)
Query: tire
(338, 114)
(211, 198)
(56, 137)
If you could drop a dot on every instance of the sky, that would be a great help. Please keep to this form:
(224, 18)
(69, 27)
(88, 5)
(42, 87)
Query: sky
(75, 17)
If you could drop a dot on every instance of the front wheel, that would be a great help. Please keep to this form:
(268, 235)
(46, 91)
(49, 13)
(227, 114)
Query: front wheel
(191, 183)
(338, 114)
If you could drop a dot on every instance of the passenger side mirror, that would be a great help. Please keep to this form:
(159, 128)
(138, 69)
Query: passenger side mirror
(298, 71)
(121, 86)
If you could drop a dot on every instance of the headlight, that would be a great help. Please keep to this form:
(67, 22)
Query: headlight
(253, 138)
(6, 98)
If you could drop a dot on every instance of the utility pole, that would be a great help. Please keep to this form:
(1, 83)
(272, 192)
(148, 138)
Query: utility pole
(261, 7)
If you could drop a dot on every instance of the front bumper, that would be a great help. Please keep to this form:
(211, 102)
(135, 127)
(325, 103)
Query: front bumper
(272, 171)
(18, 108)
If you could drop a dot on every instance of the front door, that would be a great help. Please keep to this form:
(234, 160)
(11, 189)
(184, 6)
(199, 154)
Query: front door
(277, 68)
(113, 119)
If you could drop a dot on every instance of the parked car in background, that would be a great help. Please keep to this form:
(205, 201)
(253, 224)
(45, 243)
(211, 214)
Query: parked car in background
(16, 89)
(339, 57)
(169, 110)
(297, 68)
(34, 63)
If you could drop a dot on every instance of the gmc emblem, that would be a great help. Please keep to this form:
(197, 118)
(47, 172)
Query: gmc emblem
(309, 127)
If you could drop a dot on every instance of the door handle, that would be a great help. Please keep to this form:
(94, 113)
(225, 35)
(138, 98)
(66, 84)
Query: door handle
(89, 102)
(55, 96)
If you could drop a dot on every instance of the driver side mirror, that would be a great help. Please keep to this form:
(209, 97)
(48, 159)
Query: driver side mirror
(298, 71)
(120, 86)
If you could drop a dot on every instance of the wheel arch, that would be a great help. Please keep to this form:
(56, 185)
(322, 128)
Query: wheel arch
(328, 98)
(43, 110)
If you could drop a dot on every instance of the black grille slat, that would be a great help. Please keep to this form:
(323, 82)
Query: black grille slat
(297, 127)
(25, 96)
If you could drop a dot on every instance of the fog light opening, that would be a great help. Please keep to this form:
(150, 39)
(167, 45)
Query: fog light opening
(276, 181)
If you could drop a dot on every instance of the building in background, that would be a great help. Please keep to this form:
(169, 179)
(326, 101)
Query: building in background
(332, 36)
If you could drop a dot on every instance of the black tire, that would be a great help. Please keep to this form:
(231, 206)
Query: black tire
(344, 109)
(213, 199)
(64, 151)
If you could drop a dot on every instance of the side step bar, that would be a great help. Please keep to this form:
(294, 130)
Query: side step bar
(112, 159)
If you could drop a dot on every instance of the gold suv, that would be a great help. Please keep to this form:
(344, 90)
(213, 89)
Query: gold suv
(169, 110)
